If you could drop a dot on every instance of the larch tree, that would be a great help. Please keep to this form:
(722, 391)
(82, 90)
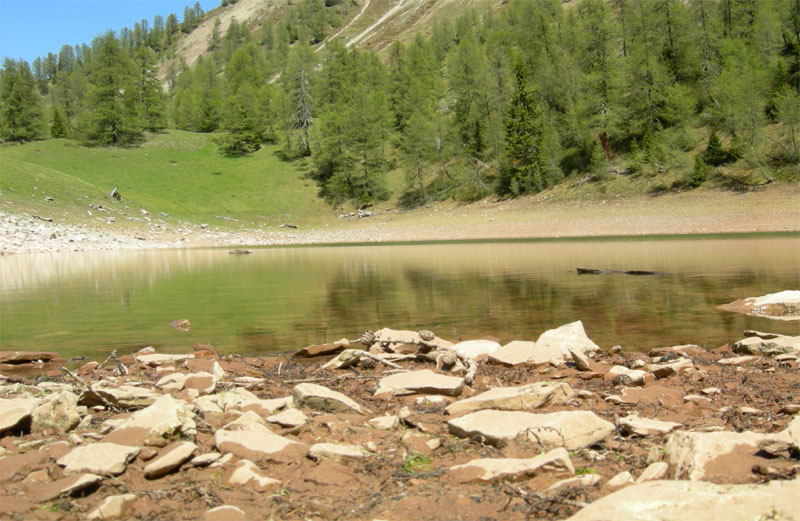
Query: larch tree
(21, 113)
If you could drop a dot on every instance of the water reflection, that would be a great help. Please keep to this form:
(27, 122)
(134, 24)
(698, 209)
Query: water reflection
(282, 299)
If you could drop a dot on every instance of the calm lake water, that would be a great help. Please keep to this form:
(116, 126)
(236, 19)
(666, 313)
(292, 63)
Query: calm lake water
(280, 299)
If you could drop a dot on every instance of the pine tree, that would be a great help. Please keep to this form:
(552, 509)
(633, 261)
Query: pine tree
(114, 101)
(523, 171)
(58, 127)
(151, 98)
(20, 104)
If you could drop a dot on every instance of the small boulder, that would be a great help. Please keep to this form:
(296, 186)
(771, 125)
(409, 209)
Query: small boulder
(554, 345)
(515, 353)
(172, 382)
(654, 471)
(688, 453)
(66, 486)
(58, 411)
(290, 418)
(205, 383)
(585, 481)
(778, 345)
(620, 480)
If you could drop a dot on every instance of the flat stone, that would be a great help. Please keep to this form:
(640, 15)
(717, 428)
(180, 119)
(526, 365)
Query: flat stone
(634, 425)
(654, 471)
(248, 474)
(290, 418)
(16, 411)
(66, 486)
(687, 453)
(695, 501)
(206, 459)
(171, 458)
(737, 360)
(106, 459)
(259, 446)
(587, 480)
(570, 429)
(669, 369)
(248, 421)
(230, 400)
(620, 480)
(224, 513)
(425, 381)
(320, 397)
(57, 412)
(157, 359)
(205, 383)
(113, 507)
(172, 382)
(768, 347)
(697, 399)
(472, 349)
(488, 469)
(125, 396)
(521, 398)
(581, 361)
(517, 352)
(384, 422)
(164, 417)
(337, 452)
(321, 350)
(553, 346)
(20, 357)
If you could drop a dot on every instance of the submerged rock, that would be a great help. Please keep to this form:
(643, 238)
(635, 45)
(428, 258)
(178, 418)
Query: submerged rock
(784, 305)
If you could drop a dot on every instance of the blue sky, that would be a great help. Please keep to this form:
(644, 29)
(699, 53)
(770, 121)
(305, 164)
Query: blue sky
(31, 28)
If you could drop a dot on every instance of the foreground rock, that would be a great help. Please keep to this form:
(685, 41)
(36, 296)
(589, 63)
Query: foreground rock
(554, 346)
(58, 412)
(686, 500)
(164, 417)
(569, 429)
(15, 412)
(521, 398)
(424, 382)
(172, 457)
(784, 305)
(688, 453)
(107, 459)
(67, 486)
(488, 469)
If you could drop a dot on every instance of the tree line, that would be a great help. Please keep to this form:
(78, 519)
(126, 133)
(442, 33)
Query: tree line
(510, 101)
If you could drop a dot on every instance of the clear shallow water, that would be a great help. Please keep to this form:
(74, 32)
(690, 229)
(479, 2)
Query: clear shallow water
(281, 299)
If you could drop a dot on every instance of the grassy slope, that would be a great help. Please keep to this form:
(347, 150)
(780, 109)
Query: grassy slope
(178, 173)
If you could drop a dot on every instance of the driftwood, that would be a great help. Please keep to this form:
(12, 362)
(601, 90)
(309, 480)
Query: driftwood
(592, 271)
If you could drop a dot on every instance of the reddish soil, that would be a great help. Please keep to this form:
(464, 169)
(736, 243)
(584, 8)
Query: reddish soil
(397, 483)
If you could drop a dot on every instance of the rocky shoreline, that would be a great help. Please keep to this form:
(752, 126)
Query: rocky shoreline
(399, 425)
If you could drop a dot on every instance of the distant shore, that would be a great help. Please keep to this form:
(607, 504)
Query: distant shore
(774, 209)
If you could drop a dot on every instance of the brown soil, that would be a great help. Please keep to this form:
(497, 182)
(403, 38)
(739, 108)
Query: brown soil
(397, 484)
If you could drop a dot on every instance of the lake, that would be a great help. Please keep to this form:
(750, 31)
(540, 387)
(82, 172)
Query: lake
(281, 299)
